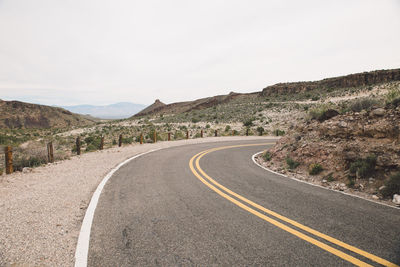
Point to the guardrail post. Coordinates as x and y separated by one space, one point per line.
9 159
187 134
78 145
216 133
50 152
120 140
155 136
141 138
201 133
101 143
169 136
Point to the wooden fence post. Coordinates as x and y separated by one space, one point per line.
155 136
216 133
169 136
9 159
201 133
50 152
187 134
141 138
247 132
78 145
120 140
101 143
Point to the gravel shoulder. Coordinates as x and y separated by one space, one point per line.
41 211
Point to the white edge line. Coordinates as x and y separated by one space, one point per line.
82 247
316 185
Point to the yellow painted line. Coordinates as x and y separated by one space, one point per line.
278 224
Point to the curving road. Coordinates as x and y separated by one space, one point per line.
182 207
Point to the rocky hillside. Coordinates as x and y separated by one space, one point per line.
281 92
348 81
180 107
356 151
16 114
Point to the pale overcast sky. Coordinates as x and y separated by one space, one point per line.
66 52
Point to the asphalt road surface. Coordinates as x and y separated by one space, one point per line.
175 207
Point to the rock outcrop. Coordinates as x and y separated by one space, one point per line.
352 80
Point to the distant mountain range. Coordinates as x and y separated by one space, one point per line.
120 110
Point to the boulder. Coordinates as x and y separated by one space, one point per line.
379 112
396 199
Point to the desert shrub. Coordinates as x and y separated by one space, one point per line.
317 112
291 163
278 132
227 128
114 142
351 182
32 161
260 130
322 113
195 120
235 132
73 150
363 167
330 178
315 98
315 169
249 122
93 143
363 104
392 95
392 186
1 171
128 140
208 126
267 156
91 147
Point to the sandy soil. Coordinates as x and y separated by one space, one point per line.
41 211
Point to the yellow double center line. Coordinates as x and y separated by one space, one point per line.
229 195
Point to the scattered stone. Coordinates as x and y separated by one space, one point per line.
324 181
396 199
382 188
342 187
379 112
26 170
375 197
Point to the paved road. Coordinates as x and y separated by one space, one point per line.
156 211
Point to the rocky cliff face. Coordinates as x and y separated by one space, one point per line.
352 80
340 143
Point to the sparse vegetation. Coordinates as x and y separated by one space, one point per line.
315 169
330 178
366 103
291 163
267 156
29 161
278 132
392 186
363 168
260 130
